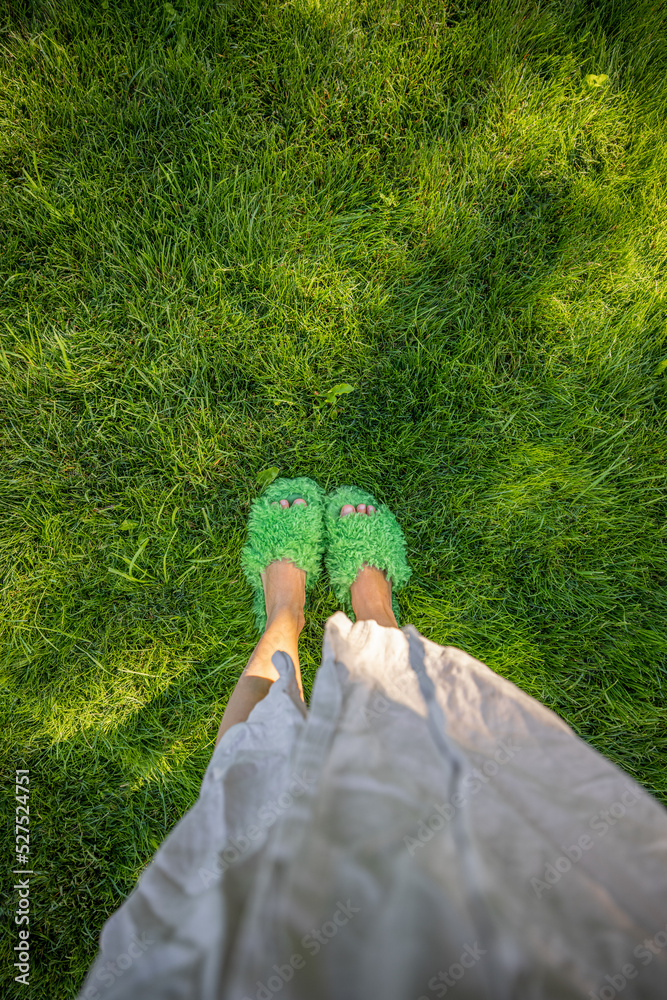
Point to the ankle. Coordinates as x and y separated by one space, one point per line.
378 611
382 618
285 615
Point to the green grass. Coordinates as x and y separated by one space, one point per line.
211 214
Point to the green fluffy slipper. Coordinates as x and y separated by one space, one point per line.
295 533
354 539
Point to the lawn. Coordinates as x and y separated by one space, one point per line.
211 215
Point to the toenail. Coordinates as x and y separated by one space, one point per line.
347 509
284 503
370 509
361 508
299 501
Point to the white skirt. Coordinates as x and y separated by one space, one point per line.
424 829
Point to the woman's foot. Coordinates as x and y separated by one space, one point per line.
284 596
371 591
285 584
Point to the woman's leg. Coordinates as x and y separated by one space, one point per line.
284 591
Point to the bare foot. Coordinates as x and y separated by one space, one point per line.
285 584
371 591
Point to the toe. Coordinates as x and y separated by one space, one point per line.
361 508
299 502
347 509
370 509
284 503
